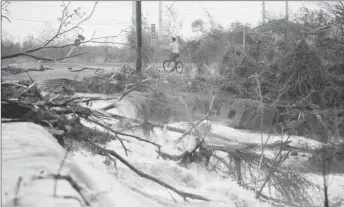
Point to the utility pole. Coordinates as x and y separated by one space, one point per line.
287 20
263 12
138 38
133 13
160 19
286 11
244 39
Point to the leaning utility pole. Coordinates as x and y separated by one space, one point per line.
138 38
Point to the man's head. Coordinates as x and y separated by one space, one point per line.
173 39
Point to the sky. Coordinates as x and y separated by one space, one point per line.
39 18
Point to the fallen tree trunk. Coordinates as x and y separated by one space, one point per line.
240 145
245 147
252 146
174 129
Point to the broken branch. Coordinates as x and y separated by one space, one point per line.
69 179
3 16
96 69
40 58
123 134
193 126
59 170
184 195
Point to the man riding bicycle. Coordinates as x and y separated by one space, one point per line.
174 58
174 47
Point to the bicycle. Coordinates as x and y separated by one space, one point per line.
177 65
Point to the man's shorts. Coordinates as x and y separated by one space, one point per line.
174 56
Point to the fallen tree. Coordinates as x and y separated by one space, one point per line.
64 121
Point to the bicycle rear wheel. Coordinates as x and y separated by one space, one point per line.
179 67
168 66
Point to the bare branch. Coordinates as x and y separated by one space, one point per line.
62 46
72 198
132 89
212 22
92 40
73 44
61 24
4 4
107 42
17 191
127 92
184 195
170 7
82 21
125 149
275 167
21 70
59 170
79 54
123 134
341 3
113 105
3 16
96 69
40 58
69 179
25 54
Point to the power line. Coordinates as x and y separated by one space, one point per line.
39 6
34 5
27 20
56 22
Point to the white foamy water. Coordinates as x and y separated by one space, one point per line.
29 150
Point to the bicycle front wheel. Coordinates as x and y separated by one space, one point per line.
179 67
168 66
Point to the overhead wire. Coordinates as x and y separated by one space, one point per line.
86 23
35 5
215 16
115 22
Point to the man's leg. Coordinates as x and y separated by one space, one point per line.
170 58
176 56
174 59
